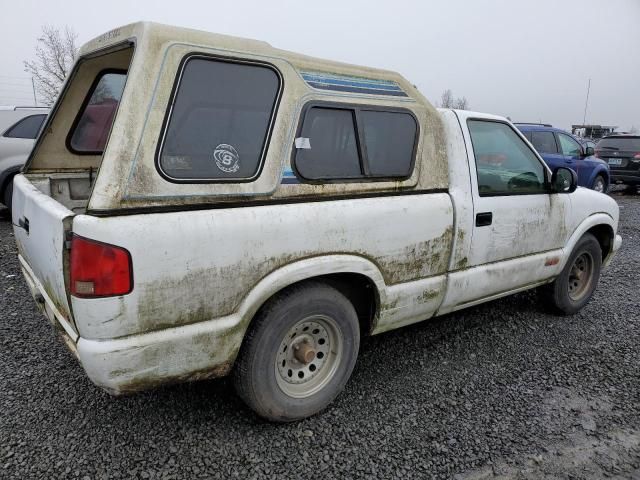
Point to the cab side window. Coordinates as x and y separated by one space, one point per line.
569 146
505 165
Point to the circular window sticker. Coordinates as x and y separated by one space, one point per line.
227 158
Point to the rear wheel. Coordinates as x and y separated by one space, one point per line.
299 353
575 285
8 193
599 184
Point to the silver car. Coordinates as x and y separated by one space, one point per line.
19 127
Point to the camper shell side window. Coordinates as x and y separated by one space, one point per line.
355 143
219 122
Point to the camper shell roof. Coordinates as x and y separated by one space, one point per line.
152 53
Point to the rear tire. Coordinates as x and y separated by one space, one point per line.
599 184
574 287
8 193
298 353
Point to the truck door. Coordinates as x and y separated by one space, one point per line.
519 228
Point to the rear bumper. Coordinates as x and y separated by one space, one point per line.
627 177
173 355
48 306
139 362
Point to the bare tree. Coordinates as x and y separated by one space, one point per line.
56 53
633 129
446 99
461 103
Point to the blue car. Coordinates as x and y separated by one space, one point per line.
560 149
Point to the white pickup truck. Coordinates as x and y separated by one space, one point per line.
198 205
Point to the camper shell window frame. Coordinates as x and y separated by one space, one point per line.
84 105
169 110
355 109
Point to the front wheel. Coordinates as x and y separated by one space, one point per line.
575 285
599 184
299 353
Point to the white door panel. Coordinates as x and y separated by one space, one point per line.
521 225
512 223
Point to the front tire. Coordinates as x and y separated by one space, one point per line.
575 285
299 353
599 184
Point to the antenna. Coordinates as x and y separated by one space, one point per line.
584 118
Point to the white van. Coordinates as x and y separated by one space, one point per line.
199 205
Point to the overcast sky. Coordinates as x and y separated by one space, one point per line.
529 60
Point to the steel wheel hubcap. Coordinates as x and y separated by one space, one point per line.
308 356
580 276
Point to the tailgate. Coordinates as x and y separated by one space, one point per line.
40 226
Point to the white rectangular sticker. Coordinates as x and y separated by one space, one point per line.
303 143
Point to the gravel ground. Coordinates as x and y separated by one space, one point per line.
502 390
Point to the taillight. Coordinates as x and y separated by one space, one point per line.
99 269
636 156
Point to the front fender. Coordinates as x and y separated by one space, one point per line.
599 170
587 224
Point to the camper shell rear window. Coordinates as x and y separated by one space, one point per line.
90 130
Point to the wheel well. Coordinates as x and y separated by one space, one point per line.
604 235
359 290
5 182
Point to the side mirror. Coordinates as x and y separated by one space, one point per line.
588 152
564 180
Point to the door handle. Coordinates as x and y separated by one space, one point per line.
484 219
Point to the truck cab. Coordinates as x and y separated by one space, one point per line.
173 231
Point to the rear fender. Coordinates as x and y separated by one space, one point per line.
305 270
